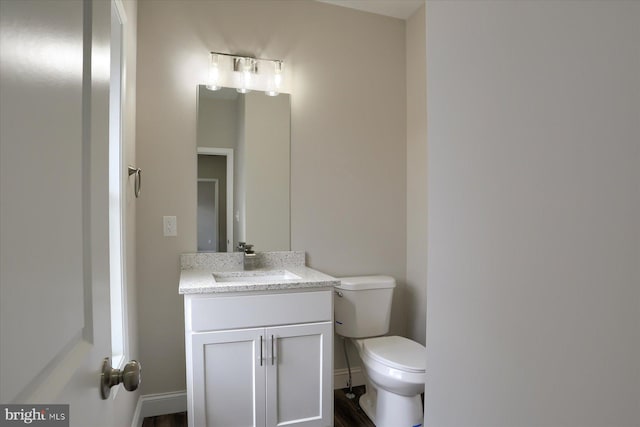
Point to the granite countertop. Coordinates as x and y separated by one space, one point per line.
204 282
223 272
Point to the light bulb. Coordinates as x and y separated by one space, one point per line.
276 80
214 73
247 68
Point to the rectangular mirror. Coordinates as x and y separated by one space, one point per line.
243 170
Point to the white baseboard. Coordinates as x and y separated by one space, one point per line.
151 405
341 377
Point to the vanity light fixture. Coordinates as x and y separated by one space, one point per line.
245 73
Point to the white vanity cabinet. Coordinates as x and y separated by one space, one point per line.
260 359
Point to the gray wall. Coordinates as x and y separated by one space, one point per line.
348 150
533 303
267 172
217 122
415 297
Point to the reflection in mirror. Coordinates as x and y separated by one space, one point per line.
243 170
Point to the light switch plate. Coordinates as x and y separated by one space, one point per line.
170 226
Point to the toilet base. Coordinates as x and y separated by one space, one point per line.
368 403
387 409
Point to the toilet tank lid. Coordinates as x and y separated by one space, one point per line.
359 283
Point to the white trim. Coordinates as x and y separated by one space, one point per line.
120 9
117 253
228 152
341 376
138 419
152 405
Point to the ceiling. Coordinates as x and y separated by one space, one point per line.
401 9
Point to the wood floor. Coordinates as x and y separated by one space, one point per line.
347 413
171 420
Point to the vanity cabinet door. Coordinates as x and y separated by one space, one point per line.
228 378
299 375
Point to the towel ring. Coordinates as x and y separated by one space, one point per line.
137 182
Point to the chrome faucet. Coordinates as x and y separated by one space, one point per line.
249 256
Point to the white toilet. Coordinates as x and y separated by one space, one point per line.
395 367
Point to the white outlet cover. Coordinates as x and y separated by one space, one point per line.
170 226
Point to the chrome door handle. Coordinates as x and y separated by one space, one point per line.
261 350
130 376
272 347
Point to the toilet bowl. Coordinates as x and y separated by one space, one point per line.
394 363
395 376
394 367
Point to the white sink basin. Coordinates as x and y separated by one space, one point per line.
257 276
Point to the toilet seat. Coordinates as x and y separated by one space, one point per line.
397 353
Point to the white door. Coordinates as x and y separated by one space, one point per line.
228 379
299 376
54 257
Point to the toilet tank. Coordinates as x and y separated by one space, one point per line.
362 306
